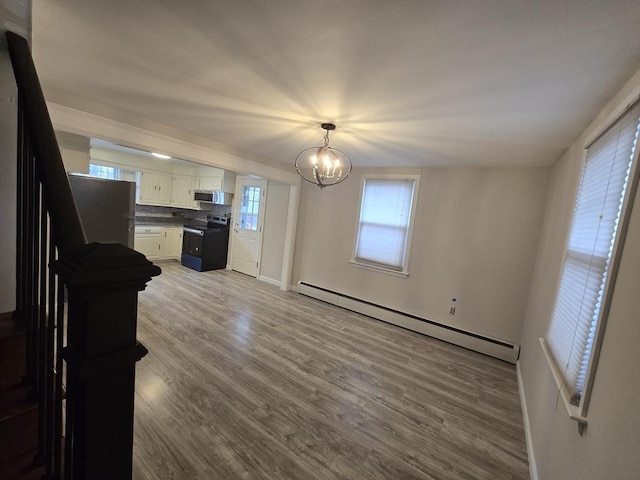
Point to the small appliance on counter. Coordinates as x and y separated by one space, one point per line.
205 248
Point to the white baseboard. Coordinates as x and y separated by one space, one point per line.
533 469
472 340
268 280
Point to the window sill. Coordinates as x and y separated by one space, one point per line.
573 411
376 268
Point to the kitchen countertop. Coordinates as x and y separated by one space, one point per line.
160 220
166 221
151 223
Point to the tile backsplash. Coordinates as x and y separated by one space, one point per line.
178 216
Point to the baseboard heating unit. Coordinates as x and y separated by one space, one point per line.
506 351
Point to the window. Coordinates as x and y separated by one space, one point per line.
591 258
102 171
250 207
384 226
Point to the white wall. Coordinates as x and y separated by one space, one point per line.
15 16
275 224
610 447
74 150
475 239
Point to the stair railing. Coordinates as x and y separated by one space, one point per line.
77 302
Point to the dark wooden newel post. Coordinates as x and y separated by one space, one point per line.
103 281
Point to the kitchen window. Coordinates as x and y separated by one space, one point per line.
598 227
387 209
103 171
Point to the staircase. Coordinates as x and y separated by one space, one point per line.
18 412
67 357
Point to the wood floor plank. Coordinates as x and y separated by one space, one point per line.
244 381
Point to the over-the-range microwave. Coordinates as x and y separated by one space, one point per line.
215 197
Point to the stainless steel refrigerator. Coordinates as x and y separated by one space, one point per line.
106 207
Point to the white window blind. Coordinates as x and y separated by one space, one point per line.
385 216
592 237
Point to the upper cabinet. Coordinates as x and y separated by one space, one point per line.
163 189
182 188
217 179
153 188
211 183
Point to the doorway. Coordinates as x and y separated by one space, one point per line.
248 219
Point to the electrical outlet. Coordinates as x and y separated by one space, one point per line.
452 310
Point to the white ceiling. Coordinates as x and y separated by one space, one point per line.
408 82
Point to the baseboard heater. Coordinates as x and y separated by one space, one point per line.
473 341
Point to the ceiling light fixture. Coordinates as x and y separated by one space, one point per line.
323 166
160 155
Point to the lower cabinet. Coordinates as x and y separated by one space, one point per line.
147 241
173 245
158 243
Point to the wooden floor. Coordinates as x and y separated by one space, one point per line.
244 381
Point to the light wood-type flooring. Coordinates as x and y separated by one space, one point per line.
244 381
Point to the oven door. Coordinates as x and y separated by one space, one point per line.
192 242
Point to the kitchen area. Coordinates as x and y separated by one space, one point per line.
165 208
256 205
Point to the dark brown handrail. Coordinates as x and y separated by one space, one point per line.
57 192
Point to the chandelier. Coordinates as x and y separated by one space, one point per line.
323 166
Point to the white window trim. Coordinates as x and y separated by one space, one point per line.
579 412
573 411
414 201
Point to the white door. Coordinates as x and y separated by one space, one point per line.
247 225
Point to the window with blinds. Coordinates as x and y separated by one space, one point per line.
384 226
590 261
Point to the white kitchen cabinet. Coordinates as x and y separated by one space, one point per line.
182 191
225 181
229 183
154 188
163 189
173 238
163 181
159 243
148 240
211 183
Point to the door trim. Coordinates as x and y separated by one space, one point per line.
240 179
